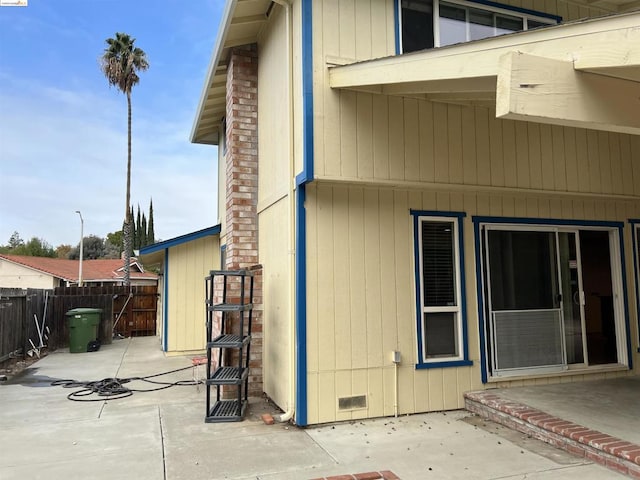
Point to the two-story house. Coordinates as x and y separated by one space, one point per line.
444 195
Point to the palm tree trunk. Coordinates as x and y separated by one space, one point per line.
127 221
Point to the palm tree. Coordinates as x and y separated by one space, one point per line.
120 63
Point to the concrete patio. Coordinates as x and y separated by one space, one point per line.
162 434
599 420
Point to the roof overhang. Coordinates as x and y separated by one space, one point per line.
240 25
39 270
154 254
584 74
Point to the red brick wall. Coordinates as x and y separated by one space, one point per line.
242 190
242 158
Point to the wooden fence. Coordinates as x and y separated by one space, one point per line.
20 309
131 309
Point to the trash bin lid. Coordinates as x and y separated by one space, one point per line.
82 311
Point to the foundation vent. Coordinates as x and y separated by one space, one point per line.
352 403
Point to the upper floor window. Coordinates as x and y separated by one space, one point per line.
437 23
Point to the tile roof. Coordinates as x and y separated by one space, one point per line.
92 270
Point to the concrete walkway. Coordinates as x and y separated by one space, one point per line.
162 434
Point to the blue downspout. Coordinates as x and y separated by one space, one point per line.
306 176
301 309
165 307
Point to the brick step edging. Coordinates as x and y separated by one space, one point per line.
609 451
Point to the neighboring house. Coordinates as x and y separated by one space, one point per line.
434 211
19 271
185 262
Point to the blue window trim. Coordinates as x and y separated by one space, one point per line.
484 374
551 222
396 19
165 306
459 217
635 223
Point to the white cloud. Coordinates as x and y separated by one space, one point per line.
63 136
64 150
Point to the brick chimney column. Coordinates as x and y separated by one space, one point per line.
242 188
242 159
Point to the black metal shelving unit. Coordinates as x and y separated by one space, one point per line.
234 336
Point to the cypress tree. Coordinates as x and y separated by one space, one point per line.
143 231
137 239
151 236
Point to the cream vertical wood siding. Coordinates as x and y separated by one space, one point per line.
274 207
273 105
277 316
356 30
396 141
361 287
376 157
188 265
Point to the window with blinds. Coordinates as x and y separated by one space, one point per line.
438 264
440 292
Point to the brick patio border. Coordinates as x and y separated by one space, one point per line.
609 451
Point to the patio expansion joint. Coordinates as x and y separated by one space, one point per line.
612 452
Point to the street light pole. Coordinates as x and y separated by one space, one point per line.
81 245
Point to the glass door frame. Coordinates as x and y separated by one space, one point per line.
617 266
491 313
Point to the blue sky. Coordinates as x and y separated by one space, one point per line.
63 131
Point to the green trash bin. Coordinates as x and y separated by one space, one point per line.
83 328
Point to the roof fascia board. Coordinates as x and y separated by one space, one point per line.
227 17
172 242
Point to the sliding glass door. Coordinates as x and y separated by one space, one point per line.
525 301
549 293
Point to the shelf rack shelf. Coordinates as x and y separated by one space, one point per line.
232 343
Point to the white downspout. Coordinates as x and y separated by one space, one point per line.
288 415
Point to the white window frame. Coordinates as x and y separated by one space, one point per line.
459 309
512 12
487 292
616 262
